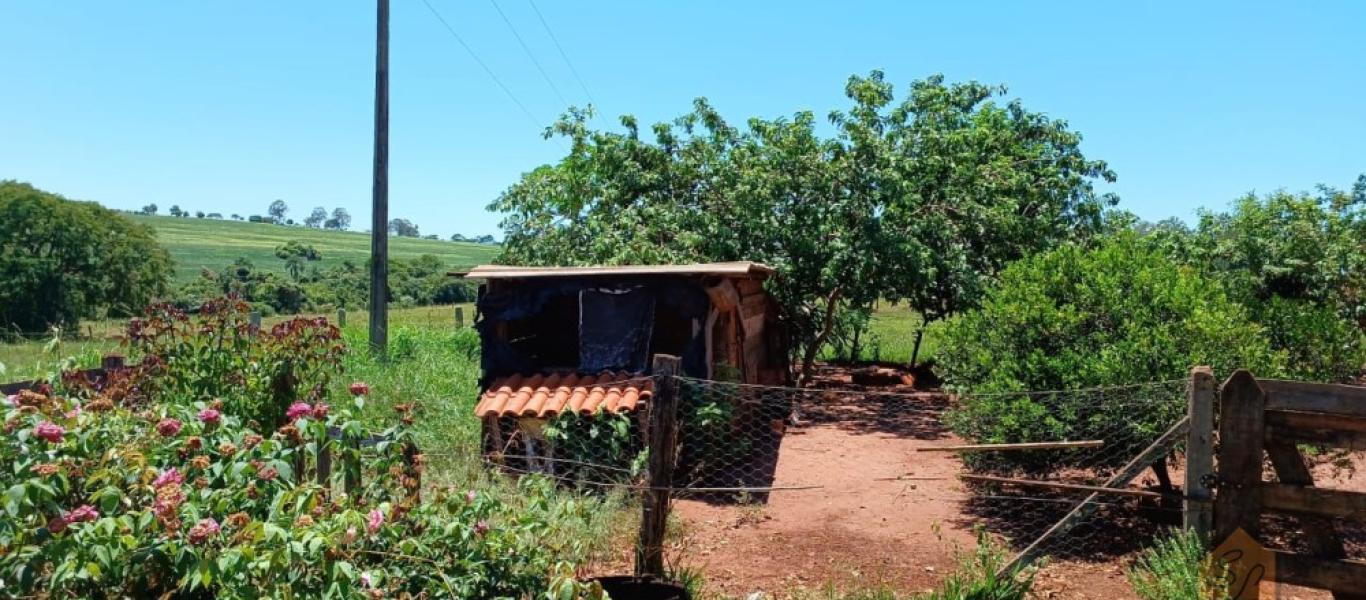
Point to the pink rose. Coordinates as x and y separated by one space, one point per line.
320 411
481 528
170 476
169 427
82 514
203 530
210 416
360 388
376 520
296 410
49 431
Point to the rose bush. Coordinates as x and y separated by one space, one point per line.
144 488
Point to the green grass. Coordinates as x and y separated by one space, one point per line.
197 244
891 336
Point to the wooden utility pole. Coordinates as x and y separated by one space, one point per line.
379 211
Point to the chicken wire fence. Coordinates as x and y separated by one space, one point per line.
748 446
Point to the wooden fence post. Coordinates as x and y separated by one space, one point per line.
341 317
255 319
111 362
1242 427
459 317
663 439
1198 508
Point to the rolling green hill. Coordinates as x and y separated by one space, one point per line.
197 244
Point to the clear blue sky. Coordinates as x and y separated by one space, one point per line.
224 106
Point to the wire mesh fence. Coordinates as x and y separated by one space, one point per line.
743 446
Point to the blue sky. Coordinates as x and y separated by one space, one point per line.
224 106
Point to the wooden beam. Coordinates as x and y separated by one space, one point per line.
1310 500
1343 577
663 441
1198 507
1346 400
1020 446
1242 411
1316 428
1154 452
1057 485
1319 533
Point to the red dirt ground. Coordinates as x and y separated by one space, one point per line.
885 514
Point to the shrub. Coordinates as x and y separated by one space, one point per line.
148 487
1178 567
62 261
217 353
1075 317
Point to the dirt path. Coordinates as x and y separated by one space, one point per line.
885 514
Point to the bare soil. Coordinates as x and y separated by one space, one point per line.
884 514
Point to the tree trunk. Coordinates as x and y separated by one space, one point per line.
827 325
915 350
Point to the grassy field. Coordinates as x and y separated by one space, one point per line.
36 358
197 244
891 336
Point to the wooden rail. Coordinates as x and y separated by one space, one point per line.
1261 418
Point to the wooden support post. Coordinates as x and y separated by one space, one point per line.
1242 426
341 317
1198 508
255 319
325 466
1008 447
1154 452
352 465
459 317
663 438
111 362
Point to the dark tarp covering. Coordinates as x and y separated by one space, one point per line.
614 329
683 296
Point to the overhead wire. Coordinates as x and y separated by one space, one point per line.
563 54
537 122
529 54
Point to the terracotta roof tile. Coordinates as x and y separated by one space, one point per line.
549 395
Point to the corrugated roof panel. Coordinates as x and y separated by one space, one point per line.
729 269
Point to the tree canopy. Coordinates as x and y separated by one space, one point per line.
922 199
62 261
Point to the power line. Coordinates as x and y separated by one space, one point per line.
562 52
529 54
534 121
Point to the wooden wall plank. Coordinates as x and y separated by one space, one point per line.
1312 500
1342 576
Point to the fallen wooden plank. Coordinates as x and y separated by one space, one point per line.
1156 451
1020 446
1057 485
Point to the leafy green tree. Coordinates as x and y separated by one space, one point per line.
277 211
922 200
403 228
296 254
1117 313
1298 262
316 218
150 209
63 261
340 221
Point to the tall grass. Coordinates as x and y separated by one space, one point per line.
437 370
1178 567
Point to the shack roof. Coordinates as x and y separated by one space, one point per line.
722 269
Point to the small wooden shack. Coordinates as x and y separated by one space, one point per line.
580 339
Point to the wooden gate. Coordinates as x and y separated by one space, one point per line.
1261 418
